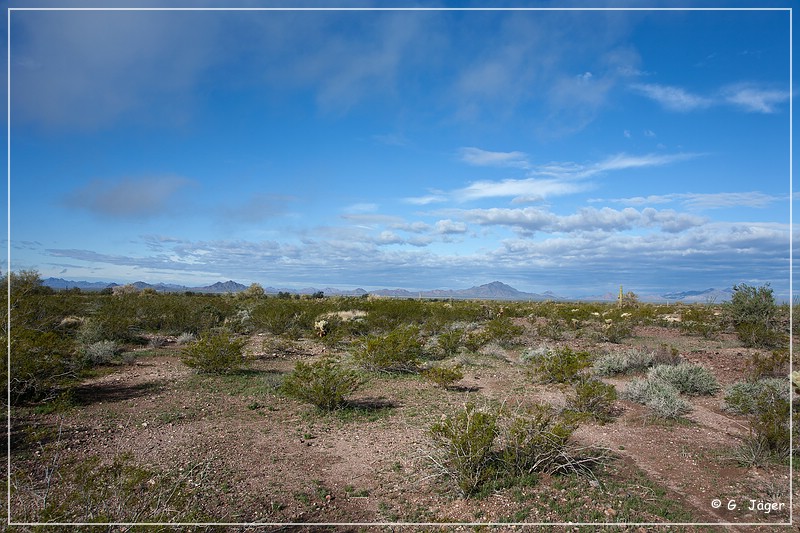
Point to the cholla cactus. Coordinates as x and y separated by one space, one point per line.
321 328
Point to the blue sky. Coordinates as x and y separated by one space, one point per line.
570 151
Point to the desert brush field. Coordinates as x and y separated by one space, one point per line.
144 407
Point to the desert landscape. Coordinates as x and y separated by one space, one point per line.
252 409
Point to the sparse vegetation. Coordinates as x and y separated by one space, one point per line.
508 444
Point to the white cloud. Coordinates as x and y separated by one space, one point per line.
620 161
448 227
526 189
754 99
588 219
749 97
484 158
672 98
701 201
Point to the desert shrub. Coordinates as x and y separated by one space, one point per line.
757 335
774 363
559 365
616 331
700 320
753 313
185 338
770 421
449 342
594 399
465 440
324 384
99 353
752 304
552 329
284 317
102 490
535 440
742 396
475 340
690 379
661 397
42 363
399 351
215 353
157 341
502 330
624 362
443 376
666 355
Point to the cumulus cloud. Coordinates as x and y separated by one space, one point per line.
589 219
128 197
448 227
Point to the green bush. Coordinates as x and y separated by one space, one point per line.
503 331
443 376
559 365
770 421
625 362
215 353
449 342
616 331
399 351
465 440
324 384
753 313
701 320
535 440
690 379
594 399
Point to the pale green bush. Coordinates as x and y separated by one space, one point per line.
688 378
624 362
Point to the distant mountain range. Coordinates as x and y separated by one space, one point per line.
490 291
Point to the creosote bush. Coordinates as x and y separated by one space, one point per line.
559 365
443 376
501 446
324 384
215 353
594 399
399 351
465 440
